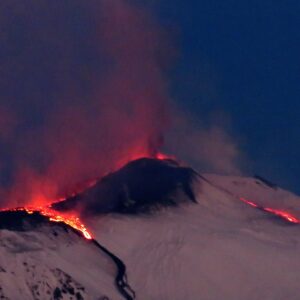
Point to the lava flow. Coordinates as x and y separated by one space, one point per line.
68 218
280 213
53 216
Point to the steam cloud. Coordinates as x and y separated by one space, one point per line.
207 147
82 91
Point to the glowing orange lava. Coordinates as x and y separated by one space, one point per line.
53 216
283 214
249 202
280 213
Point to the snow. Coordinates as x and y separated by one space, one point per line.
49 261
220 248
258 192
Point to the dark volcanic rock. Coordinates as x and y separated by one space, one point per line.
140 186
20 220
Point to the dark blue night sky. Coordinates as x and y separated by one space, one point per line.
243 58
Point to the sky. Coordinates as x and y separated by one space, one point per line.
241 59
85 86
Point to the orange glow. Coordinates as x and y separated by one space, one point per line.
283 214
78 189
280 213
162 156
53 216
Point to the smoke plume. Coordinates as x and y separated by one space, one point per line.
207 146
82 92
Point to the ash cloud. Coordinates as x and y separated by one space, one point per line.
83 90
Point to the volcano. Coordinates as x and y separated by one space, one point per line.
156 230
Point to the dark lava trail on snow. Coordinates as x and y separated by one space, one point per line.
121 277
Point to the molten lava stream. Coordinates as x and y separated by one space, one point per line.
279 213
53 216
71 220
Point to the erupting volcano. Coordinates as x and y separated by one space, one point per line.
91 92
71 218
139 178
156 197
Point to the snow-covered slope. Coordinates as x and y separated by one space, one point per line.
220 248
259 192
51 262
